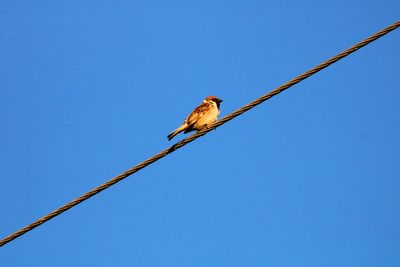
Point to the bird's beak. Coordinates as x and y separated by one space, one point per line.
220 100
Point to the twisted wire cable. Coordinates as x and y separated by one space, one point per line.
193 137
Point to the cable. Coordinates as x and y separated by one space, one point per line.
193 137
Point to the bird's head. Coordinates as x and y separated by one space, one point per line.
213 98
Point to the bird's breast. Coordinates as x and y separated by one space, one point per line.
207 118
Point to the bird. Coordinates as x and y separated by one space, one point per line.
201 117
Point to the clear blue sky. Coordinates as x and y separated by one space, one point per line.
90 88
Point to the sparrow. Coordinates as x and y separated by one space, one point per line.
201 117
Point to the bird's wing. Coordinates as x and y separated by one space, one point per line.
197 113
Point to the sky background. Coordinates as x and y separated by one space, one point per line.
89 89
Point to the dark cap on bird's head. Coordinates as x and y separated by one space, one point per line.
214 98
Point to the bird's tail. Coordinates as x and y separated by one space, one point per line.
177 131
